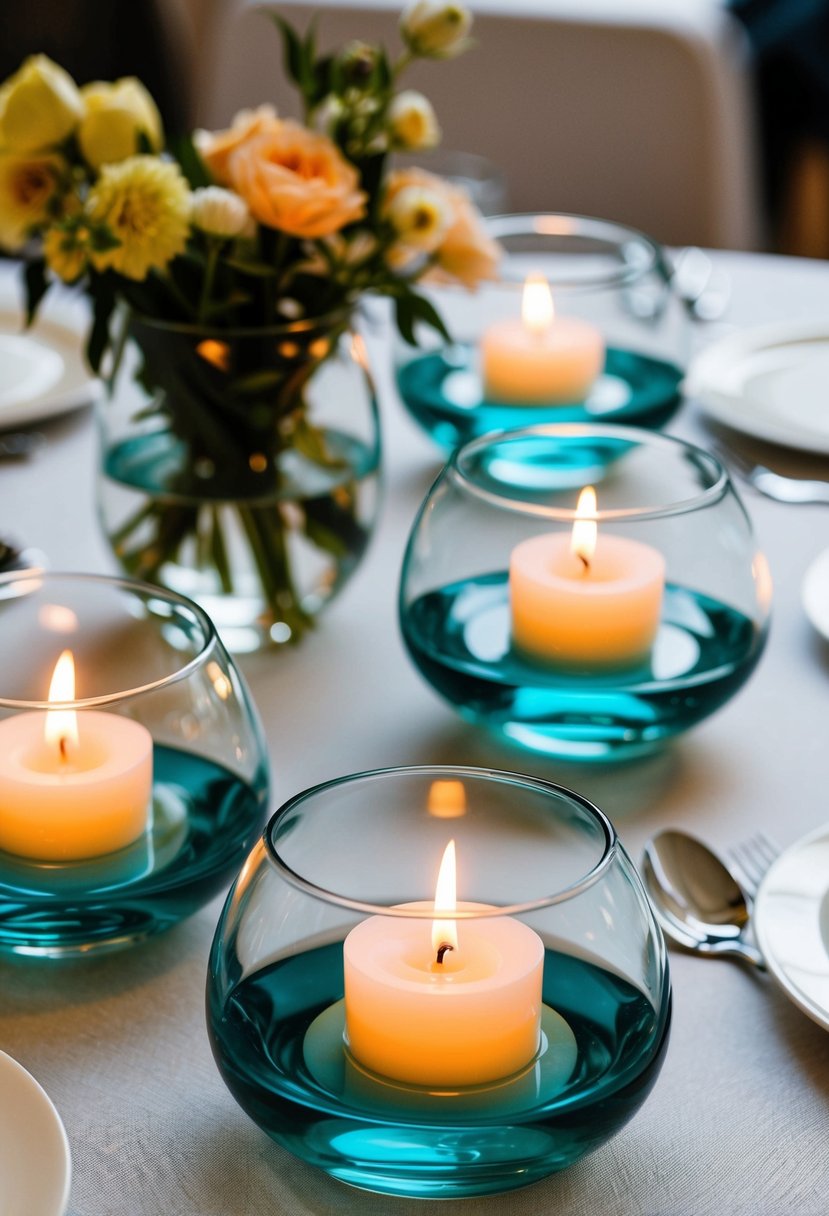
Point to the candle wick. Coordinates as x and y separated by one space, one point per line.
585 563
64 750
442 948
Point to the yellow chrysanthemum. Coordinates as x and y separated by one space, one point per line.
66 252
27 185
145 203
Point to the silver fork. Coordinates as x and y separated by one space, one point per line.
750 860
773 485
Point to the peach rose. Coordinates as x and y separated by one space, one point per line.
215 147
467 252
296 180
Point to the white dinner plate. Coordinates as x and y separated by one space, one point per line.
771 382
42 369
791 920
815 593
35 1167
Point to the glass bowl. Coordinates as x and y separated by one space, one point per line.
345 1035
131 799
584 660
615 351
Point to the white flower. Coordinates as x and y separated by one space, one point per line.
219 212
412 121
436 29
420 217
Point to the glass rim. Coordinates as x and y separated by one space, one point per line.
145 591
277 329
564 224
703 498
439 771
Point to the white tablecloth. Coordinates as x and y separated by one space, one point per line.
739 1119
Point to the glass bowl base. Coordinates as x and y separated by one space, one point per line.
459 638
277 1041
443 392
204 821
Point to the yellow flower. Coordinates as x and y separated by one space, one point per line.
436 29
461 249
27 186
66 251
39 106
145 203
419 216
115 115
412 121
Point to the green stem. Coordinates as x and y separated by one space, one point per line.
213 251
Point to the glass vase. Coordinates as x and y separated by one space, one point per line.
129 796
585 656
611 287
551 923
240 468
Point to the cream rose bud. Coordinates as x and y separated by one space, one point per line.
40 106
435 29
115 115
218 212
412 121
420 217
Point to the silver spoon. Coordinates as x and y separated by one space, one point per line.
697 901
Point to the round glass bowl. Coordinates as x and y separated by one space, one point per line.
591 659
529 1044
130 799
614 351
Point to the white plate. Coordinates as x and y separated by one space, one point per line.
42 369
771 382
35 1166
791 920
815 593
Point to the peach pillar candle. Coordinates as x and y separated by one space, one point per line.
540 359
72 784
585 599
441 1003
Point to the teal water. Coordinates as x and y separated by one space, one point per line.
259 1032
443 392
459 639
205 821
151 464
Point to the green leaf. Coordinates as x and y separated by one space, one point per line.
36 286
404 316
427 313
260 270
103 295
191 164
292 49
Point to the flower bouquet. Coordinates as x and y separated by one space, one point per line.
239 438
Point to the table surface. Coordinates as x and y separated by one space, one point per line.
739 1119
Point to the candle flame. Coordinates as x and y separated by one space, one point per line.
61 727
585 528
444 932
537 310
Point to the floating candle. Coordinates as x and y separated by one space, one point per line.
585 599
437 1003
540 359
73 784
